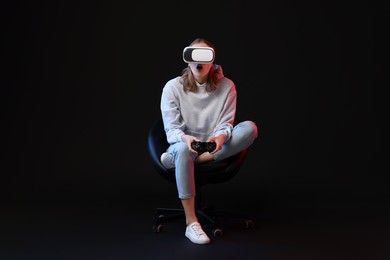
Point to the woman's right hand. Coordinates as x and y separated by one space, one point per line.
188 139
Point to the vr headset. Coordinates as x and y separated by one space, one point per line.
198 55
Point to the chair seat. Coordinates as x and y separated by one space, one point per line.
209 168
213 172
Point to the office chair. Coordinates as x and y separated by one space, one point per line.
209 173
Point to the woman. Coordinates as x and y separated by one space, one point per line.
200 105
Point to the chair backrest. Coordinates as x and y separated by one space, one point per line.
213 172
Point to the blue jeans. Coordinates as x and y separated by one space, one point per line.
243 135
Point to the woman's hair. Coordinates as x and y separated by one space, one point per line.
188 80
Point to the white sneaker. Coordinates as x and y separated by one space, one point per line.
195 233
167 160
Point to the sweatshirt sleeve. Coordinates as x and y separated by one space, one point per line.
227 116
173 123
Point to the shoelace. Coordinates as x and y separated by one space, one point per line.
197 229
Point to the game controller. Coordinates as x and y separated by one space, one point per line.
202 147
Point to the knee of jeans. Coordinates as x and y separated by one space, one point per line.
255 130
252 130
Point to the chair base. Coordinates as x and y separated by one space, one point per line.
207 217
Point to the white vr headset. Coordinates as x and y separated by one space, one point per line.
198 54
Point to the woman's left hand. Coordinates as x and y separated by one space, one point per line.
219 141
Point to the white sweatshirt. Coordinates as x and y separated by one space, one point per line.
199 114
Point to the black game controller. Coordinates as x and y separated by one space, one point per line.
202 147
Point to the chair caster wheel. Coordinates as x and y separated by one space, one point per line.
158 228
217 232
248 223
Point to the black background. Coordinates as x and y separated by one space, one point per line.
81 85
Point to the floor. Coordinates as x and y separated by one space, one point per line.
109 227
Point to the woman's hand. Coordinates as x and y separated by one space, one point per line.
188 139
219 141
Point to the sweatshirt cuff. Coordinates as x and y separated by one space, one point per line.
226 135
179 136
